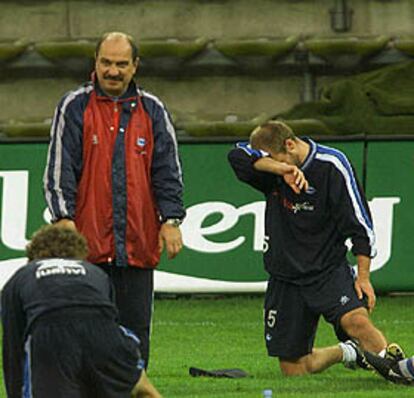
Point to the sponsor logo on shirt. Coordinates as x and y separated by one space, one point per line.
57 266
293 207
305 206
297 207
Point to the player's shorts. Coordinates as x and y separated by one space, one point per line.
78 356
292 312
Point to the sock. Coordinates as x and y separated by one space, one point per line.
348 353
407 368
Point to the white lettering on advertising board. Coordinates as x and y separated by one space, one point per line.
196 236
14 214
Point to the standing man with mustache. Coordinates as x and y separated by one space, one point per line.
113 173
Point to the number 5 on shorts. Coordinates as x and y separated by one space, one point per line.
271 318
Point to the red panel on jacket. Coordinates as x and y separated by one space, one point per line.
94 201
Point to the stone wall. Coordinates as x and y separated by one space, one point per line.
211 93
40 20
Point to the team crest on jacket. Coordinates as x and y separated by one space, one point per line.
141 142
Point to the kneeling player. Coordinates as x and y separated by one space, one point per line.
60 332
314 203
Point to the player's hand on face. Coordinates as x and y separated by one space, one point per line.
295 178
363 286
170 237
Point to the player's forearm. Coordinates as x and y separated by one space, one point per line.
364 264
13 379
270 165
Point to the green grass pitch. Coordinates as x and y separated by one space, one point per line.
227 332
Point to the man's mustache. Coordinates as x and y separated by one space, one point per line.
114 78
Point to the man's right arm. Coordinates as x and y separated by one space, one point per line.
242 159
259 170
64 160
292 175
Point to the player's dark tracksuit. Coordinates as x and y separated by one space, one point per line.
305 233
113 168
61 338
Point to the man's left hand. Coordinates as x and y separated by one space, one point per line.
170 237
363 286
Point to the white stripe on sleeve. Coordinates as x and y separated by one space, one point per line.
170 129
353 194
57 130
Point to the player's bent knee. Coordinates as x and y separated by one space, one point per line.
295 367
356 322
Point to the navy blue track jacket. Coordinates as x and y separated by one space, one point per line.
42 288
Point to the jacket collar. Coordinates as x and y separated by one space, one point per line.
311 154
